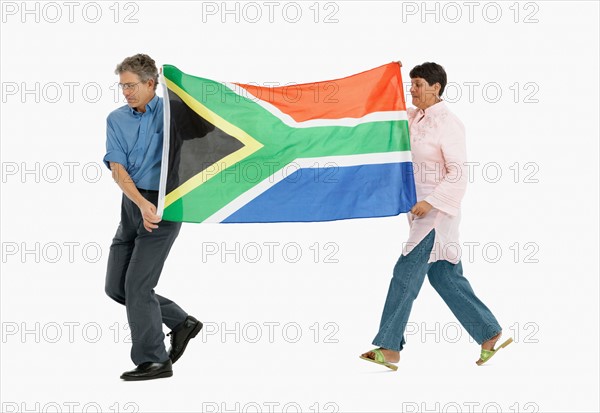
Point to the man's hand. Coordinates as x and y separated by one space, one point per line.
421 208
147 209
149 216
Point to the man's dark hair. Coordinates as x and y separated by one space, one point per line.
432 73
140 64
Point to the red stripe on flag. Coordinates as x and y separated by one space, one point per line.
355 96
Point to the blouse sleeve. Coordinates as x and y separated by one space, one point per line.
448 194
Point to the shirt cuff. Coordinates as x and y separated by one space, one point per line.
115 156
445 207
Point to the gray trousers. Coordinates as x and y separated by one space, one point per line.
135 262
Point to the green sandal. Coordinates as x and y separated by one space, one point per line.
488 354
380 359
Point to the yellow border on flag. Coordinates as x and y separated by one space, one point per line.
251 145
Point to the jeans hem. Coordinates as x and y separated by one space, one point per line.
492 336
387 347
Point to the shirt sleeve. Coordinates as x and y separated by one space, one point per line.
448 194
114 148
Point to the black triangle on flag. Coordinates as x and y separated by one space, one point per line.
194 143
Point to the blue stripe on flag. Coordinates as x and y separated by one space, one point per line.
326 194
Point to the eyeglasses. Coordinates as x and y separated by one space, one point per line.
126 86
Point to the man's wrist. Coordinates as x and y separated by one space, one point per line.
139 200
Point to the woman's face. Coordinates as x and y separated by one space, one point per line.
423 94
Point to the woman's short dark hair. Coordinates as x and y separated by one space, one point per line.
432 73
140 64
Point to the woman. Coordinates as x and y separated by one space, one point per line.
439 155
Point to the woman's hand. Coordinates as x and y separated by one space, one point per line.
421 208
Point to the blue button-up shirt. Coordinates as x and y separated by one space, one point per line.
134 140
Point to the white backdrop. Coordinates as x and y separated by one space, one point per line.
289 308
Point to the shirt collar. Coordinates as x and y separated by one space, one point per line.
150 105
437 108
433 109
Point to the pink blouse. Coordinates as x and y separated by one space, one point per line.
438 148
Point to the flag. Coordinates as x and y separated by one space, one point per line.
319 151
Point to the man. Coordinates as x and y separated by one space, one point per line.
140 246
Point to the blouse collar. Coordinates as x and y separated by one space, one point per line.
433 109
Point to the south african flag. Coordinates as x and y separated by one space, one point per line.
320 151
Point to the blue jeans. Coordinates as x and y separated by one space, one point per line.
448 281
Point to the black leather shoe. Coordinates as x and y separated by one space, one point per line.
180 338
149 371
